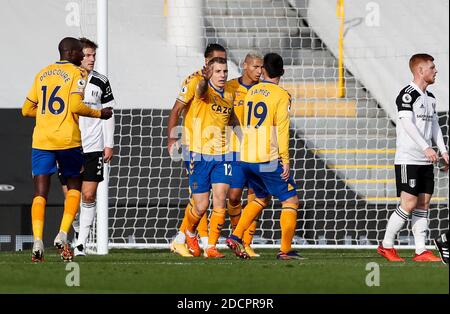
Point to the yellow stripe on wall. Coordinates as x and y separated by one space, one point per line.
165 12
324 109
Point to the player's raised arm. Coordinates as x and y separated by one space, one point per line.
202 86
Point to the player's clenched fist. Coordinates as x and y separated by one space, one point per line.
106 113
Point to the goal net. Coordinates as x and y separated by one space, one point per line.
342 148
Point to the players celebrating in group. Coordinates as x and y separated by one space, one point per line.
235 135
211 105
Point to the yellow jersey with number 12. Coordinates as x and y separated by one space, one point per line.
265 125
56 126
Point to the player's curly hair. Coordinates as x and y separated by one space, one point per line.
273 64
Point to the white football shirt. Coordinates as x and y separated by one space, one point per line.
420 108
97 134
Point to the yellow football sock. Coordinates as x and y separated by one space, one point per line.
250 232
71 206
235 214
288 222
202 227
37 216
251 197
251 211
192 220
184 222
215 225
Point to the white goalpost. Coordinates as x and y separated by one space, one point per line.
342 145
102 192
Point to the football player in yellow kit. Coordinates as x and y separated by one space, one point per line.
212 107
265 157
55 100
182 106
252 69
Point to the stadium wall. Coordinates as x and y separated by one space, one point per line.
380 37
146 64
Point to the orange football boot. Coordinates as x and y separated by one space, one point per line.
192 244
212 252
389 254
426 256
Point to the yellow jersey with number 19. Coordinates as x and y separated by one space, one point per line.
210 118
266 123
56 123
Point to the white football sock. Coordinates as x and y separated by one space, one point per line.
180 238
76 222
204 242
419 226
190 234
87 213
394 225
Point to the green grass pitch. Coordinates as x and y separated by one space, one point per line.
159 271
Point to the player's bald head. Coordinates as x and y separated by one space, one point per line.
71 49
416 60
69 44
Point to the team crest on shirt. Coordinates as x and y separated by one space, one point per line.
406 98
184 89
412 183
81 83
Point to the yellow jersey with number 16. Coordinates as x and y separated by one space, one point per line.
56 125
265 125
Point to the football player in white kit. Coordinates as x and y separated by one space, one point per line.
417 125
97 139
